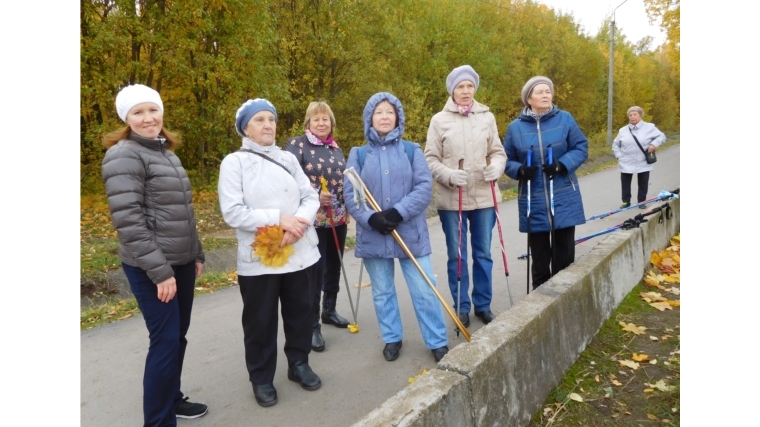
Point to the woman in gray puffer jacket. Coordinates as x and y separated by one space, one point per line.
150 200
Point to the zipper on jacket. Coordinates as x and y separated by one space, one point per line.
540 166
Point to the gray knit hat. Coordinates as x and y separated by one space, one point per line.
459 74
532 83
635 108
248 109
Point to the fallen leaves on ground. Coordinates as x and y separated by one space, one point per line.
421 373
630 327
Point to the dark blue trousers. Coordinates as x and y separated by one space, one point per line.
167 325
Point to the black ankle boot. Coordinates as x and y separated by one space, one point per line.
329 315
317 342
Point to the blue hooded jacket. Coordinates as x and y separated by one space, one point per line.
394 182
569 146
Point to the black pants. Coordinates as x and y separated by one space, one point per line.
327 271
260 295
541 253
643 181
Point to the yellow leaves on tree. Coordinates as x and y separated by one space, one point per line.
266 246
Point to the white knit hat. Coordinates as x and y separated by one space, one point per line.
133 95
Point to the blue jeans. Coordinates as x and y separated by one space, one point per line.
427 308
481 223
167 325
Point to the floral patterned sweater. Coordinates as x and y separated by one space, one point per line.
318 161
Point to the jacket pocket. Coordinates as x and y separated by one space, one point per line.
245 251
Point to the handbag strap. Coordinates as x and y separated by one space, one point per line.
637 142
267 158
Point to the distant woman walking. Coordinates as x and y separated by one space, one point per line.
633 140
150 200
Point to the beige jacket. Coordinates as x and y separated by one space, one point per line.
451 137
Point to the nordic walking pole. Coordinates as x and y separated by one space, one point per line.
355 329
357 181
459 250
501 238
551 204
527 219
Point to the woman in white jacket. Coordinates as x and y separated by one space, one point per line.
261 185
630 153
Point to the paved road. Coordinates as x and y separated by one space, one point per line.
355 376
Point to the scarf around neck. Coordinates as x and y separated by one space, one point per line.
314 140
464 109
537 116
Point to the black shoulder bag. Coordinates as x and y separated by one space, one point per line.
651 158
268 158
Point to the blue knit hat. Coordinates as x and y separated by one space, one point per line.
248 109
459 74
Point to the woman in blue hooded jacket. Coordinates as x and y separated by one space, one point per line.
542 125
402 185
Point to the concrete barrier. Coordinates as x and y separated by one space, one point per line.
504 374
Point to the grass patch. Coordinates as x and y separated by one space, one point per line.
350 242
114 309
600 389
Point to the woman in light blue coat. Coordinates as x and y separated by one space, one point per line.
632 141
397 175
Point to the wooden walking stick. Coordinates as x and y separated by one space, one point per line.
359 184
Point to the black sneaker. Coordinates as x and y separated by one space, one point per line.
186 409
643 206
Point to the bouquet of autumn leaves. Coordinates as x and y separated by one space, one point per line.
267 247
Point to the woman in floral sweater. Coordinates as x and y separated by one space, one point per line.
321 157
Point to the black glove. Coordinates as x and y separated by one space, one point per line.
392 215
553 169
378 222
527 172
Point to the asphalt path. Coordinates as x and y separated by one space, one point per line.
355 376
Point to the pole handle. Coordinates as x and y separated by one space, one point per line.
550 154
530 156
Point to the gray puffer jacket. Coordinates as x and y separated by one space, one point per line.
150 200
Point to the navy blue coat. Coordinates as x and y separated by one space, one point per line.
569 146
394 182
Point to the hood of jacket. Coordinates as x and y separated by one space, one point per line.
369 132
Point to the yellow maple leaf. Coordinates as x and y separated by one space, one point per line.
655 258
266 246
640 357
629 363
673 278
651 279
652 296
660 385
421 373
630 327
675 303
662 306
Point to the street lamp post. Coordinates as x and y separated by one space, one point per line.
609 88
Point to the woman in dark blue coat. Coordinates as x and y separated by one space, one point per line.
542 125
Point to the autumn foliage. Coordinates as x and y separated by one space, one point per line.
267 246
